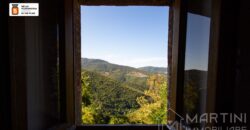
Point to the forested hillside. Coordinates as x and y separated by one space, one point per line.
114 94
134 77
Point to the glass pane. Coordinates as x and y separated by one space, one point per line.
196 65
124 65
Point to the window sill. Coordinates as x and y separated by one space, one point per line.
122 127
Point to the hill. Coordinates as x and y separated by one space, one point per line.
108 101
116 94
101 65
152 69
137 78
106 97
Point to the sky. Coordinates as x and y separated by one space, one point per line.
134 36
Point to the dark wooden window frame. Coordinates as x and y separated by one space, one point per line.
123 3
126 3
179 44
70 54
181 8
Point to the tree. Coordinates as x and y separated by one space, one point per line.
153 106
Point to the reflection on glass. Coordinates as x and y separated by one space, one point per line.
196 65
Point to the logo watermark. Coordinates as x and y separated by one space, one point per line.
199 121
23 9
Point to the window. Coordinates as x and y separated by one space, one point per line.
124 64
176 54
196 65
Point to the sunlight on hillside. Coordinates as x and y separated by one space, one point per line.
124 65
122 98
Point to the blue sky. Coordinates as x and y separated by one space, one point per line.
132 36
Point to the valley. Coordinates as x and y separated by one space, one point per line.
116 94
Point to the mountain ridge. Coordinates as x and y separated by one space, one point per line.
153 69
94 64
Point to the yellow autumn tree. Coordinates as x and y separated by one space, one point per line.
153 105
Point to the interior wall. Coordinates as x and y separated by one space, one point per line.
42 83
33 49
5 107
233 62
242 91
227 56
